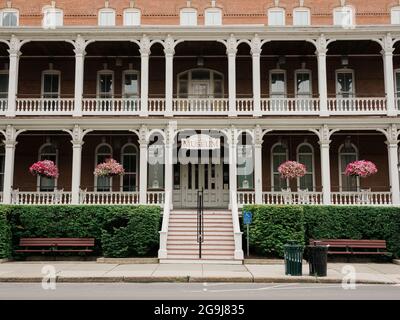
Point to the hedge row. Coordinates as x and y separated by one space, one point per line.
273 226
120 231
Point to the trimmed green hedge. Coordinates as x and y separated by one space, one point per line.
120 231
5 235
268 231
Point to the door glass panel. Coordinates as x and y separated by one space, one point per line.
303 83
105 85
345 84
278 84
51 83
131 87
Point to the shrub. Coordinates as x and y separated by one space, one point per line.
274 226
5 234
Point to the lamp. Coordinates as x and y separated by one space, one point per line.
200 61
345 61
282 60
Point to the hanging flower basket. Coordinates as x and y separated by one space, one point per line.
292 170
45 168
361 168
110 168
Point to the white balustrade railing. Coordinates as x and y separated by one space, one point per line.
244 106
115 198
156 105
361 198
292 198
3 105
357 106
37 198
301 106
100 106
45 106
245 198
200 106
156 198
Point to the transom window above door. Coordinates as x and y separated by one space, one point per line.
200 83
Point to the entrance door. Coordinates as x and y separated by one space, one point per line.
209 177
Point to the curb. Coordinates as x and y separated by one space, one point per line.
127 260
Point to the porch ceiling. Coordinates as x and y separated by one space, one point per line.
354 47
52 48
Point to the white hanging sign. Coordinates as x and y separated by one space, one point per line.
201 142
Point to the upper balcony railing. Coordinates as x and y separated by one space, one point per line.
272 106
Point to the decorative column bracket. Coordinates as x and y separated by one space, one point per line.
169 51
145 51
231 50
14 50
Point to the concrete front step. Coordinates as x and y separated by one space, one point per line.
205 247
206 242
208 233
200 261
204 256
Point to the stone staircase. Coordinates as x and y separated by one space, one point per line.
218 242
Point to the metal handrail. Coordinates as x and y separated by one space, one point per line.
200 219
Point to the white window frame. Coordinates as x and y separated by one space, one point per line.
124 73
96 154
349 71
123 153
273 172
275 11
342 23
106 10
298 153
395 15
137 20
276 71
51 72
99 73
191 19
299 23
190 80
9 10
214 22
48 11
302 71
40 154
342 170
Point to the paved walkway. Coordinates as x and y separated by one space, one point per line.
100 272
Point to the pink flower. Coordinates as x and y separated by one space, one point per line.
292 170
361 168
109 168
45 168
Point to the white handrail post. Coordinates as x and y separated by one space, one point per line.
236 227
162 252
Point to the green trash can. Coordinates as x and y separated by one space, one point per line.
293 258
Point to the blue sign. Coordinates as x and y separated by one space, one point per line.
247 217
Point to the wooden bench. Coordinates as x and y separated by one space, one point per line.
353 247
62 245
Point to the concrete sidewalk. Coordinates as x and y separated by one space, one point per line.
370 273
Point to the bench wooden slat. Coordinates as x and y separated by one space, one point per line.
83 243
350 245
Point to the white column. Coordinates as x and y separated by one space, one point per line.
80 53
387 54
324 135
145 47
143 141
232 142
256 54
76 170
322 79
169 163
169 51
13 76
393 157
231 52
10 143
258 172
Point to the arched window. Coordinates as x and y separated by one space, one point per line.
200 83
129 160
301 17
188 17
52 17
344 16
305 155
103 152
2 160
276 17
107 17
213 17
48 152
279 155
132 17
347 154
9 17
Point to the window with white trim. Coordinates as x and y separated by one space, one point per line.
345 83
129 160
397 82
48 152
132 17
305 155
9 18
103 152
52 17
395 15
277 80
130 84
279 155
347 154
303 84
276 17
213 17
105 84
3 84
188 17
51 84
343 16
301 17
107 17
